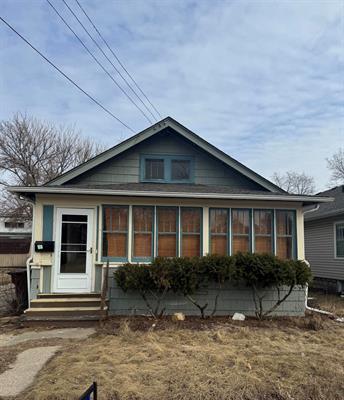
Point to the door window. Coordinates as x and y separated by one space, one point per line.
73 244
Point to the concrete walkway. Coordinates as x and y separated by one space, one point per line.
68 333
24 370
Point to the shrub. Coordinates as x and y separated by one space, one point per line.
186 276
266 271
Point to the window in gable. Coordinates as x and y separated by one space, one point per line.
180 170
154 169
339 232
167 168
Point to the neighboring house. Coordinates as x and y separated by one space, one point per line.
163 192
15 238
324 241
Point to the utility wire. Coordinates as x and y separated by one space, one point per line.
117 58
97 61
64 75
105 55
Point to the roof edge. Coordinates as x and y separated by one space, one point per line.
142 193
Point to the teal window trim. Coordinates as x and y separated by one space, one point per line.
272 250
200 234
250 236
167 167
48 222
294 250
339 251
227 234
110 258
143 259
168 233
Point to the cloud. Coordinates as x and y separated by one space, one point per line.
261 80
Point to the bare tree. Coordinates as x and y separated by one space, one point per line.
336 165
294 182
32 152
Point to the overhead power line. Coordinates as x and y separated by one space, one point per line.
105 55
64 75
98 62
116 57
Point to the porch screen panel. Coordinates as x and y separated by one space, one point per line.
191 231
143 232
115 231
167 231
219 231
241 230
263 231
285 231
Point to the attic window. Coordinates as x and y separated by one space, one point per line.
154 169
167 169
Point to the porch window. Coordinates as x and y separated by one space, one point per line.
285 232
143 232
241 230
263 222
339 232
191 231
219 231
167 221
115 232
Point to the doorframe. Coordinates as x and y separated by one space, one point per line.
91 226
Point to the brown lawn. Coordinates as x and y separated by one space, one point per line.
217 359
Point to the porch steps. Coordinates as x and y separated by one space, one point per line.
66 307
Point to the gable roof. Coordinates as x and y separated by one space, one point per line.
153 130
329 209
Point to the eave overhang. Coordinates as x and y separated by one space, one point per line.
30 193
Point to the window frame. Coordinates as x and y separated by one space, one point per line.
335 239
273 230
156 218
143 259
293 235
167 158
181 233
111 258
228 234
250 234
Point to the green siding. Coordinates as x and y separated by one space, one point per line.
126 167
48 222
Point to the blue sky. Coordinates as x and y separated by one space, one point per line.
262 80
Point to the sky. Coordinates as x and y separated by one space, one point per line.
261 80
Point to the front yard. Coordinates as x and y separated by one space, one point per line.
218 359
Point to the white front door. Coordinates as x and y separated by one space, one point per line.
73 250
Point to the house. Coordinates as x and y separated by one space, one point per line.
324 241
15 238
163 192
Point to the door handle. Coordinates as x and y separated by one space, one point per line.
90 250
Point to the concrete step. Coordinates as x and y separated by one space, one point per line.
65 302
67 295
65 312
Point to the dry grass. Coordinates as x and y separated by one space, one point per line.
328 302
228 361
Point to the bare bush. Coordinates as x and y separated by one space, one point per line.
336 166
295 182
33 152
